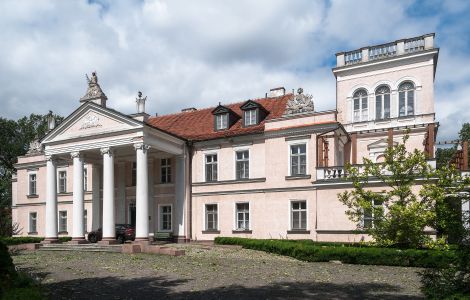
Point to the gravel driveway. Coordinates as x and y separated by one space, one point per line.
211 273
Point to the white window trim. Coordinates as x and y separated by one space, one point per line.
251 111
298 142
160 229
66 221
58 179
204 164
307 227
235 214
360 109
170 166
372 217
29 222
85 179
204 216
406 100
221 118
29 182
235 150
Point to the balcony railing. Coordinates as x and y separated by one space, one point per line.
377 52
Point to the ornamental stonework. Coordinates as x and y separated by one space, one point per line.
90 121
300 103
94 90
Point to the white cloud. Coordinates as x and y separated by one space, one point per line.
197 53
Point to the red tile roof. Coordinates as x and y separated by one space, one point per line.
199 125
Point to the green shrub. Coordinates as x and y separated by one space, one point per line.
7 269
29 239
348 254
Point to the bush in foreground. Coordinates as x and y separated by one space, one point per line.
346 254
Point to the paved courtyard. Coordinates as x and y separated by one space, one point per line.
211 273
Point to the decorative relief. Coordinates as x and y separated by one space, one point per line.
300 103
90 121
106 150
34 147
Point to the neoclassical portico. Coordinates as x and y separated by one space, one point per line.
107 139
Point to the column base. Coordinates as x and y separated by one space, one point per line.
108 241
78 240
50 241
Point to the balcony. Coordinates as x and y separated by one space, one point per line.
378 52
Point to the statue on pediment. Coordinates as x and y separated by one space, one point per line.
94 90
300 103
34 147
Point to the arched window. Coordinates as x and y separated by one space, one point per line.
382 102
406 99
360 107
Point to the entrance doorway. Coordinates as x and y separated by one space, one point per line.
131 217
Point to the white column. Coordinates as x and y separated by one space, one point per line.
78 198
96 199
152 210
51 201
179 195
141 193
121 194
109 230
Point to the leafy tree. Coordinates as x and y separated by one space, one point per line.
444 156
15 137
410 201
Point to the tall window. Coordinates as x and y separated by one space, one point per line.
406 99
165 217
134 174
211 217
32 184
250 117
372 214
360 109
33 222
63 221
382 102
85 179
243 216
221 121
211 167
298 159
299 215
62 181
242 159
85 220
166 170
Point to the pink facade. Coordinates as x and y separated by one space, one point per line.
264 168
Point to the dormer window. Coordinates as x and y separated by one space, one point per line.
221 121
251 117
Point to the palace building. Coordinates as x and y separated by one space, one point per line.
268 167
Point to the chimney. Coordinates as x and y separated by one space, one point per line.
277 92
50 121
189 109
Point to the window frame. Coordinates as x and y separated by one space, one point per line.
382 102
236 228
291 215
236 151
85 179
371 218
289 161
361 109
406 99
61 218
206 228
221 116
59 190
30 174
204 166
160 217
30 222
256 117
168 167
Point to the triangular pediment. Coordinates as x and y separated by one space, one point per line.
91 120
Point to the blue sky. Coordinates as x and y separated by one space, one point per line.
197 53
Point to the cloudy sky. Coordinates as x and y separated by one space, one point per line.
197 53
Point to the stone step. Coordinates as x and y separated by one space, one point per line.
83 247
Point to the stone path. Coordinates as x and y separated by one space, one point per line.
211 273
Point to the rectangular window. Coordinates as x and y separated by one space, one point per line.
134 174
165 170
299 215
33 222
221 121
251 117
364 111
357 116
371 214
298 159
32 184
62 181
401 104
378 107
386 106
243 216
211 167
85 179
242 161
211 217
411 103
165 217
63 221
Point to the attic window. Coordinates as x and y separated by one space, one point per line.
221 121
251 117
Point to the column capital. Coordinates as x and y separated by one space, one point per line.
141 146
106 150
50 158
76 154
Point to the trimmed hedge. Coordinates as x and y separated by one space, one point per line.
28 239
352 255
